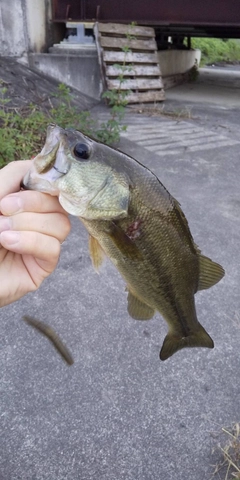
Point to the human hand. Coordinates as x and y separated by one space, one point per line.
32 227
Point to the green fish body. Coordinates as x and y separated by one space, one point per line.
134 220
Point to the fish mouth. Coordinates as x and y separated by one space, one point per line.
50 164
59 171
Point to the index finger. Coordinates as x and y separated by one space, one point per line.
11 176
30 201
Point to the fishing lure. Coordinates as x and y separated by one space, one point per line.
52 336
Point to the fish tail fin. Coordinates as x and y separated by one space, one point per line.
174 342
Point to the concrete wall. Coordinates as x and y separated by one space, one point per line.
174 62
12 33
24 26
175 65
80 71
38 16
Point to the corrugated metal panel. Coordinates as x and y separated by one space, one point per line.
188 12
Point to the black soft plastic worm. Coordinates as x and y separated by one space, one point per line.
52 336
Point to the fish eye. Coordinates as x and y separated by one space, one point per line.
81 150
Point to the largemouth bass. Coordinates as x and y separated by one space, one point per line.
133 219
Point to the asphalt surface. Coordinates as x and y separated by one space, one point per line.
119 413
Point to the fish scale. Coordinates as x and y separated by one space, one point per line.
133 219
152 278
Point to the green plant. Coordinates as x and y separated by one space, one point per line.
216 50
194 72
23 129
117 98
67 115
109 131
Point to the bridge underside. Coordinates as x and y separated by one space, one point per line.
192 18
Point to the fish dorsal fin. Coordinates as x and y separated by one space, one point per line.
96 252
209 273
138 309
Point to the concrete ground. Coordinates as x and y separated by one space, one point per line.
217 86
119 413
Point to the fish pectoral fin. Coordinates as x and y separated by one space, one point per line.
121 240
210 273
174 342
138 309
96 252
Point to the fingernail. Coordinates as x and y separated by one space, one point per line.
11 204
9 238
5 223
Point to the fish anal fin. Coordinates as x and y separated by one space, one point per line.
96 252
138 309
174 342
210 273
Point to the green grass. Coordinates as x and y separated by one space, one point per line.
23 129
217 50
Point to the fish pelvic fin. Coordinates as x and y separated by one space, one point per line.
210 273
138 309
174 342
